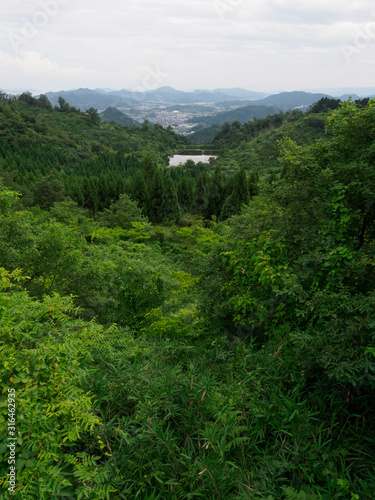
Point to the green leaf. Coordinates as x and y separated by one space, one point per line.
20 462
26 454
30 463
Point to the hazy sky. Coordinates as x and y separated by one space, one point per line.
187 44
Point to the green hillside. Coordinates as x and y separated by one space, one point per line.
290 100
203 134
198 332
85 99
117 116
256 145
91 160
242 115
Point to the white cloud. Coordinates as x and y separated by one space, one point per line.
95 43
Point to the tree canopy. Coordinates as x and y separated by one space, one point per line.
204 331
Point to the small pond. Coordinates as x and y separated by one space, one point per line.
176 160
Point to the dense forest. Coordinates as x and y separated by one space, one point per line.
204 331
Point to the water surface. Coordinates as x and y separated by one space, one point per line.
181 159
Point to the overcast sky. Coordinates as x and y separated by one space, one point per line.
268 45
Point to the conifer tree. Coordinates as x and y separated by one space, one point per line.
139 191
155 199
149 170
186 192
90 193
122 213
48 190
240 196
241 188
253 184
170 208
201 194
215 195
104 193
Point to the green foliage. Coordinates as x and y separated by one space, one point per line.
250 368
149 171
7 199
201 194
68 212
93 116
122 213
154 210
216 195
139 191
186 192
324 104
195 241
263 287
239 196
254 146
47 251
236 116
40 146
43 353
170 207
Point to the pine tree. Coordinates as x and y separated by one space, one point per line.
149 170
122 213
241 188
170 208
186 192
253 184
139 191
76 192
201 194
104 194
91 195
230 208
48 190
215 195
239 197
155 199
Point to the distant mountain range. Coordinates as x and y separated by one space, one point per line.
243 115
102 99
105 98
85 99
242 93
290 100
351 91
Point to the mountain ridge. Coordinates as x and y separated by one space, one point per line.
85 98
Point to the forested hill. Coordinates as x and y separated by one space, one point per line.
235 133
50 154
117 116
258 142
189 332
91 159
290 100
241 114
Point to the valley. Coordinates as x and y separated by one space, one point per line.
187 250
187 112
202 330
